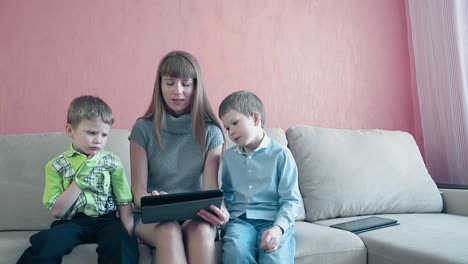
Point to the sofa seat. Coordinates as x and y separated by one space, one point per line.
12 245
420 238
318 244
321 245
17 241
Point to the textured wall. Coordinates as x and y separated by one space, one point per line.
328 63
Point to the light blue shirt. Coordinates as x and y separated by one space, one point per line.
262 184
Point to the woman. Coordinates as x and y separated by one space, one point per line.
176 147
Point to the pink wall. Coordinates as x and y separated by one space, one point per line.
342 64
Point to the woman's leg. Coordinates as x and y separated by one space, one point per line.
166 238
199 240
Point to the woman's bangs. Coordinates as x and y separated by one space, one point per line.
178 67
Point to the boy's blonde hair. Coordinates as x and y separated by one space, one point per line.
243 102
89 107
181 64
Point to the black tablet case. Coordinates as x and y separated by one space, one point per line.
366 224
178 206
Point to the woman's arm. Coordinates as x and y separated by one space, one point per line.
139 172
210 182
210 171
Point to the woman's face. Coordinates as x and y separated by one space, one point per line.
177 94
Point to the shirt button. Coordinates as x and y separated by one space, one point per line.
250 186
250 171
250 157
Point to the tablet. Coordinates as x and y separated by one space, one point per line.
366 224
178 206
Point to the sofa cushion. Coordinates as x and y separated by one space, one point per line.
360 172
322 245
430 238
23 175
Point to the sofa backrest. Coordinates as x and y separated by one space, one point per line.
22 177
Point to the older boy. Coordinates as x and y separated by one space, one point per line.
85 186
260 187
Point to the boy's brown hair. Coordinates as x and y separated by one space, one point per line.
89 107
243 102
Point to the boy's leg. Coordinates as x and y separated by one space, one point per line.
284 253
115 245
239 242
49 246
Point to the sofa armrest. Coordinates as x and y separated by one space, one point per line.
455 198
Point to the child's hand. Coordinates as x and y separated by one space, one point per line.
271 238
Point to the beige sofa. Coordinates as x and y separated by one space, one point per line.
343 175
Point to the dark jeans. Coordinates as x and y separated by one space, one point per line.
114 243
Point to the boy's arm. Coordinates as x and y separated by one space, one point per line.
288 191
120 186
65 200
122 196
57 199
126 217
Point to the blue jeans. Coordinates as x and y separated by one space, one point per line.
242 238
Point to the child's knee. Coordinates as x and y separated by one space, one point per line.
236 251
236 245
41 238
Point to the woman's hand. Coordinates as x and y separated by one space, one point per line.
154 192
219 217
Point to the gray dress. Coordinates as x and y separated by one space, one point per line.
177 165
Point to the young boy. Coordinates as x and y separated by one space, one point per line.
84 187
260 186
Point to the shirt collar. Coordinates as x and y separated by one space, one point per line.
265 142
72 152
